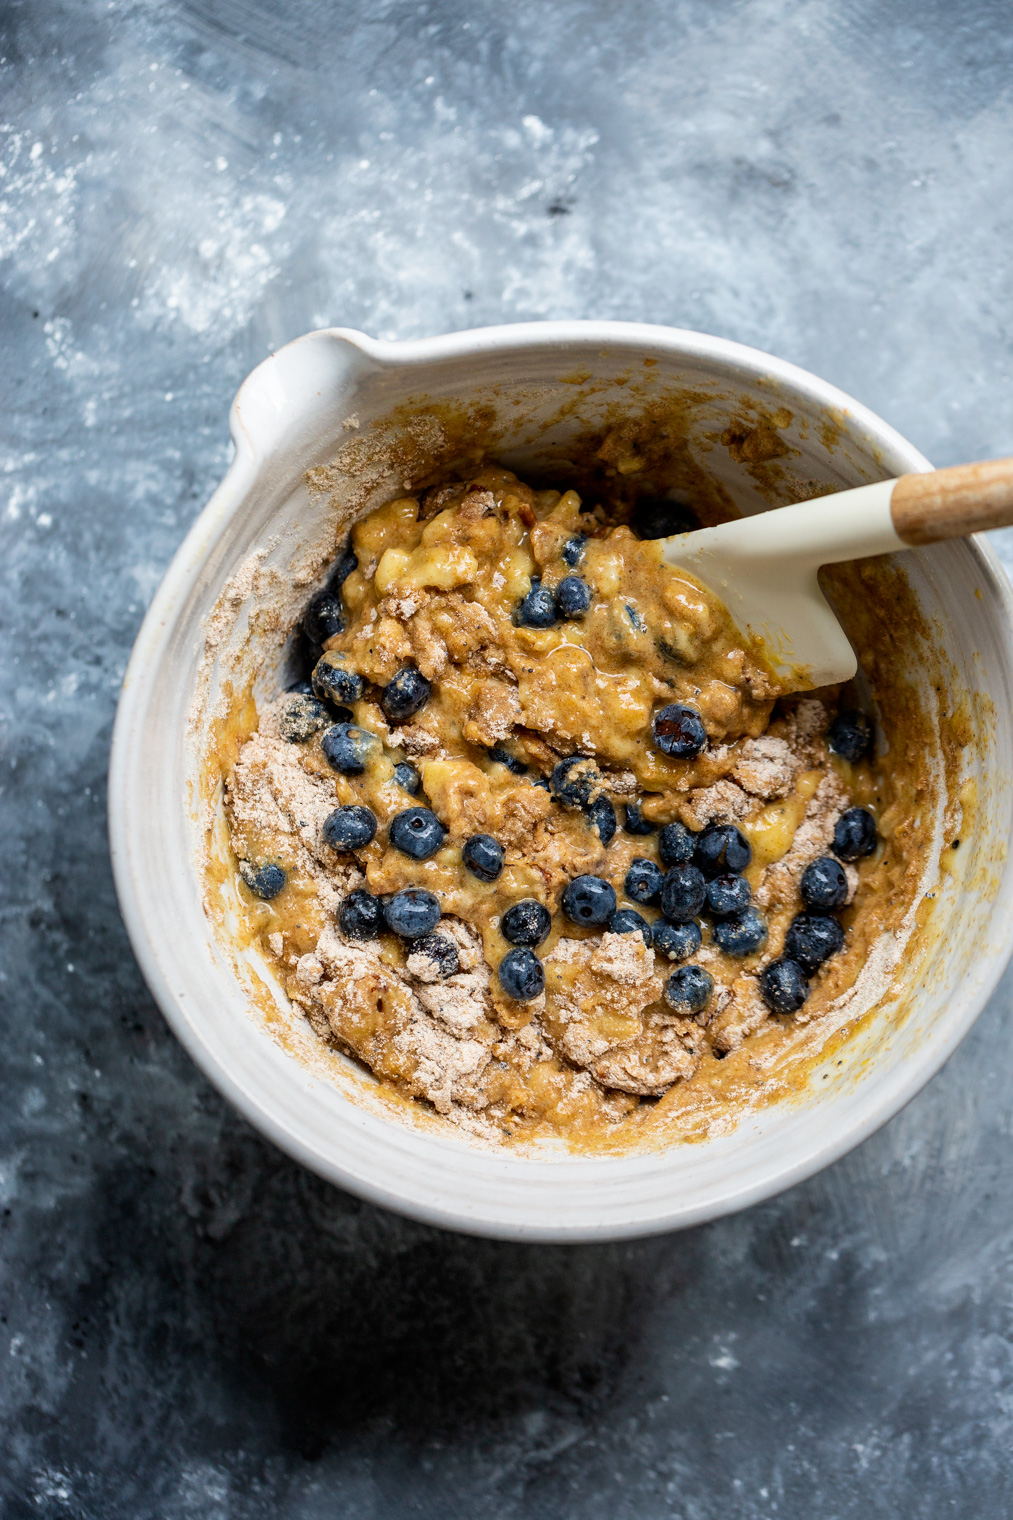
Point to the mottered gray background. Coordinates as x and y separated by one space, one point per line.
190 1325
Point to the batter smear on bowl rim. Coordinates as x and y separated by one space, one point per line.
539 840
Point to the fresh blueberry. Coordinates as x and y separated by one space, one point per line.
574 781
728 895
573 596
404 694
537 609
743 935
688 990
412 912
643 880
812 939
263 881
361 915
783 986
343 567
722 848
573 549
348 748
349 828
824 884
629 921
589 900
504 757
324 617
300 688
408 778
442 952
542 782
521 975
526 922
683 893
417 832
333 683
676 942
854 834
658 517
601 815
636 823
483 856
676 845
679 731
851 735
301 718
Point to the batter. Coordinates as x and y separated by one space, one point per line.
538 838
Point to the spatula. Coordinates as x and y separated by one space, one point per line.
764 567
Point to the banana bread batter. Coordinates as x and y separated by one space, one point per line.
540 838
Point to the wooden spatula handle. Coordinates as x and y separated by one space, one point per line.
968 498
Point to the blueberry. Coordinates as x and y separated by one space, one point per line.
263 881
854 834
349 828
637 622
589 900
521 975
361 915
573 549
537 609
676 845
504 757
682 894
812 939
417 832
442 952
404 694
722 848
333 683
851 735
643 880
688 990
347 748
300 688
324 617
483 856
729 895
743 935
408 778
636 823
824 884
301 718
676 942
628 921
679 731
412 912
783 986
601 815
573 596
343 567
574 781
526 922
658 517
542 782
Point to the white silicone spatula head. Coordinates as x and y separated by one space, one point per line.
764 568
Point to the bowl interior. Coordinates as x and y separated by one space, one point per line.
376 420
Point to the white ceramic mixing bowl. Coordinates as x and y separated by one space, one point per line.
542 383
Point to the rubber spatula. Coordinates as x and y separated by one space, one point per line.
764 567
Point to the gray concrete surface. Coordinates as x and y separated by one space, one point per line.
189 1324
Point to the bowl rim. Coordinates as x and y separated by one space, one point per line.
172 594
